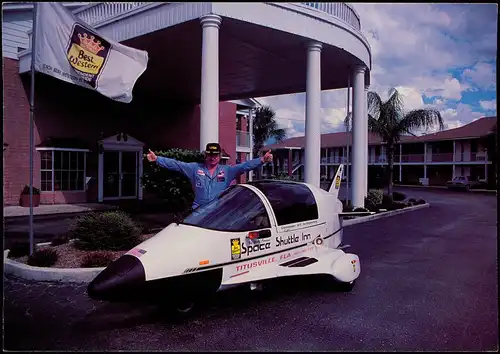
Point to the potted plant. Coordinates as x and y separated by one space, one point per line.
25 197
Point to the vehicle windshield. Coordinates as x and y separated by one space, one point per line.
236 209
459 178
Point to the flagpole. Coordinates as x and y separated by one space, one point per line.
348 142
32 137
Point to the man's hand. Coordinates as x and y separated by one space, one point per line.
151 156
268 157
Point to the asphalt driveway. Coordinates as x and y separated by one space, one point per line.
428 282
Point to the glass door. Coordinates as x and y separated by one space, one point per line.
129 174
111 180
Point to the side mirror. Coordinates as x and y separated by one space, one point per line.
259 234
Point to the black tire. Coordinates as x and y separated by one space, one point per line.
467 188
346 287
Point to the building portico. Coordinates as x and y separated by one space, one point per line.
205 53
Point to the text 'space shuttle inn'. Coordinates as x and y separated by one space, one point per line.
252 232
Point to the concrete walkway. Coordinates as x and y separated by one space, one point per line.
18 211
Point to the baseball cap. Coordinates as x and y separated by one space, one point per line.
213 149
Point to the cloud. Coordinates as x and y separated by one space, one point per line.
482 75
489 105
438 53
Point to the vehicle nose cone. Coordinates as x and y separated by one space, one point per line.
120 281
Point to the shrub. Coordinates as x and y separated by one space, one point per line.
411 202
375 196
113 231
19 249
396 206
59 240
398 196
45 257
97 259
421 201
387 199
360 209
26 190
172 187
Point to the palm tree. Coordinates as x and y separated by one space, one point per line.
265 127
389 121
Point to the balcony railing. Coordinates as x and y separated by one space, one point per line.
242 139
341 10
102 11
471 157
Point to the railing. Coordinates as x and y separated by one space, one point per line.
446 157
102 11
377 159
340 10
242 139
471 157
412 158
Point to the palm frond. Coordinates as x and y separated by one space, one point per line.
375 104
420 118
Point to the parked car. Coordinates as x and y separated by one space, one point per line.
465 182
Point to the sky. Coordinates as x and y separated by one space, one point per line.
440 56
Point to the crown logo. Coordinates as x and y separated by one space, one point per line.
90 44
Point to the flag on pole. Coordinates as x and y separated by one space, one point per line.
70 50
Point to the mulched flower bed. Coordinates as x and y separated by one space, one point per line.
71 257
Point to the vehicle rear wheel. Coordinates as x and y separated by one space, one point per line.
467 187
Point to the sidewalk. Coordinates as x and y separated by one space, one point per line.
54 209
444 187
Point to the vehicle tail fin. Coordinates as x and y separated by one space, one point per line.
335 186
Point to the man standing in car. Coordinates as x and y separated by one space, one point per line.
209 179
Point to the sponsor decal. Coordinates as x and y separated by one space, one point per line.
200 173
310 248
318 241
198 184
220 177
255 264
87 53
285 256
337 182
255 247
137 252
353 262
235 248
291 239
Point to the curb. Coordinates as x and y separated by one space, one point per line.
386 214
86 275
64 275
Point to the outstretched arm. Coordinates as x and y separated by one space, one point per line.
174 165
235 171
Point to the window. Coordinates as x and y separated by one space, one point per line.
236 209
291 202
62 170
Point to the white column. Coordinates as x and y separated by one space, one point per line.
100 177
454 150
313 121
400 162
141 173
358 143
425 160
250 131
209 102
365 141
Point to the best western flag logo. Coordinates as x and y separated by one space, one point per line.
87 53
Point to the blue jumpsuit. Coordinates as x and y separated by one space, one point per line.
207 188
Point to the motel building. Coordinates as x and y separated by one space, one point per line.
206 63
431 159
